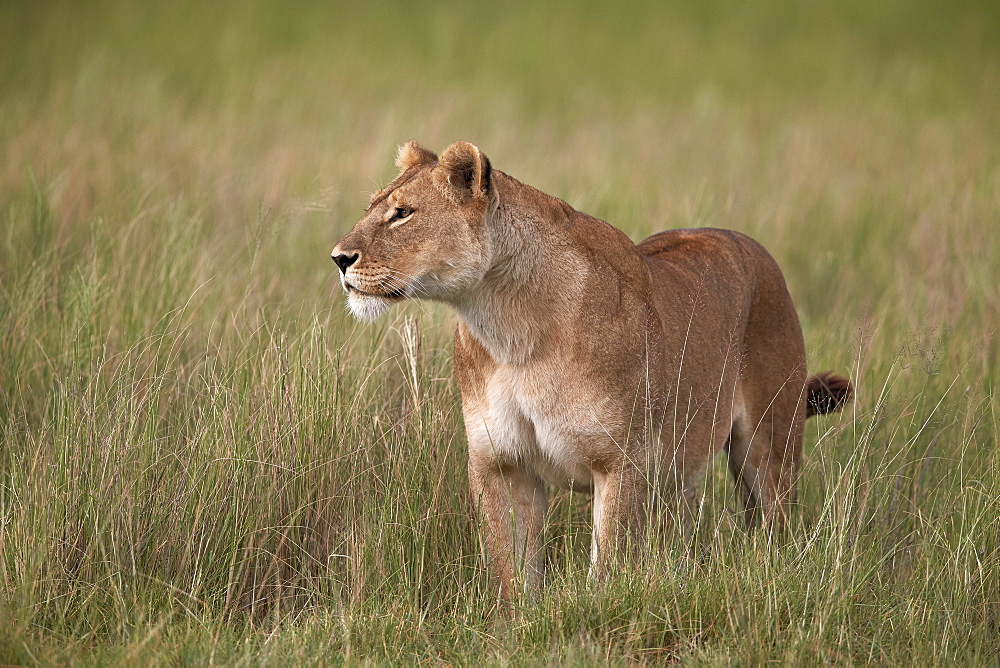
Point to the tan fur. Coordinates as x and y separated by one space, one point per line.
585 360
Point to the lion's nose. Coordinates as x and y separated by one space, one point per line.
344 260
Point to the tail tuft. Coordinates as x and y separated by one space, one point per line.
827 392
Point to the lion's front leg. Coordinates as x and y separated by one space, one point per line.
511 504
621 499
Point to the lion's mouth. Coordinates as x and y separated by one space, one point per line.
393 294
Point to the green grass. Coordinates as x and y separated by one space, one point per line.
205 460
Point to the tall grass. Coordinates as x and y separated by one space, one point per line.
206 461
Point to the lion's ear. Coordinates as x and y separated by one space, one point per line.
464 171
412 154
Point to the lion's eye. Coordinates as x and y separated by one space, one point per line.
402 212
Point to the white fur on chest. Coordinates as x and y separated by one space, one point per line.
531 418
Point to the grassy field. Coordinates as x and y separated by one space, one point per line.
205 460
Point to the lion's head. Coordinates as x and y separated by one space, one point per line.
422 235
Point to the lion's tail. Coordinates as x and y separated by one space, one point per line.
827 392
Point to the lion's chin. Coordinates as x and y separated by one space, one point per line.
367 307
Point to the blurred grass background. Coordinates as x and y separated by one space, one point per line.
205 460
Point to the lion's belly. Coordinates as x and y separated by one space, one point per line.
536 421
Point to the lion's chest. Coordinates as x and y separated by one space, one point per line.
542 419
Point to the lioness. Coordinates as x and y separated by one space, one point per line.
587 361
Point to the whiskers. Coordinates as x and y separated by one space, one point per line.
400 281
375 288
406 284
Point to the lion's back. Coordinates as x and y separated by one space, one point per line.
697 246
722 281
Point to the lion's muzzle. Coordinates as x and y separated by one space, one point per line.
344 260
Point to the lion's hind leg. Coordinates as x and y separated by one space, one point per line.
764 456
744 476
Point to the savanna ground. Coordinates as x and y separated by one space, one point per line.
205 460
